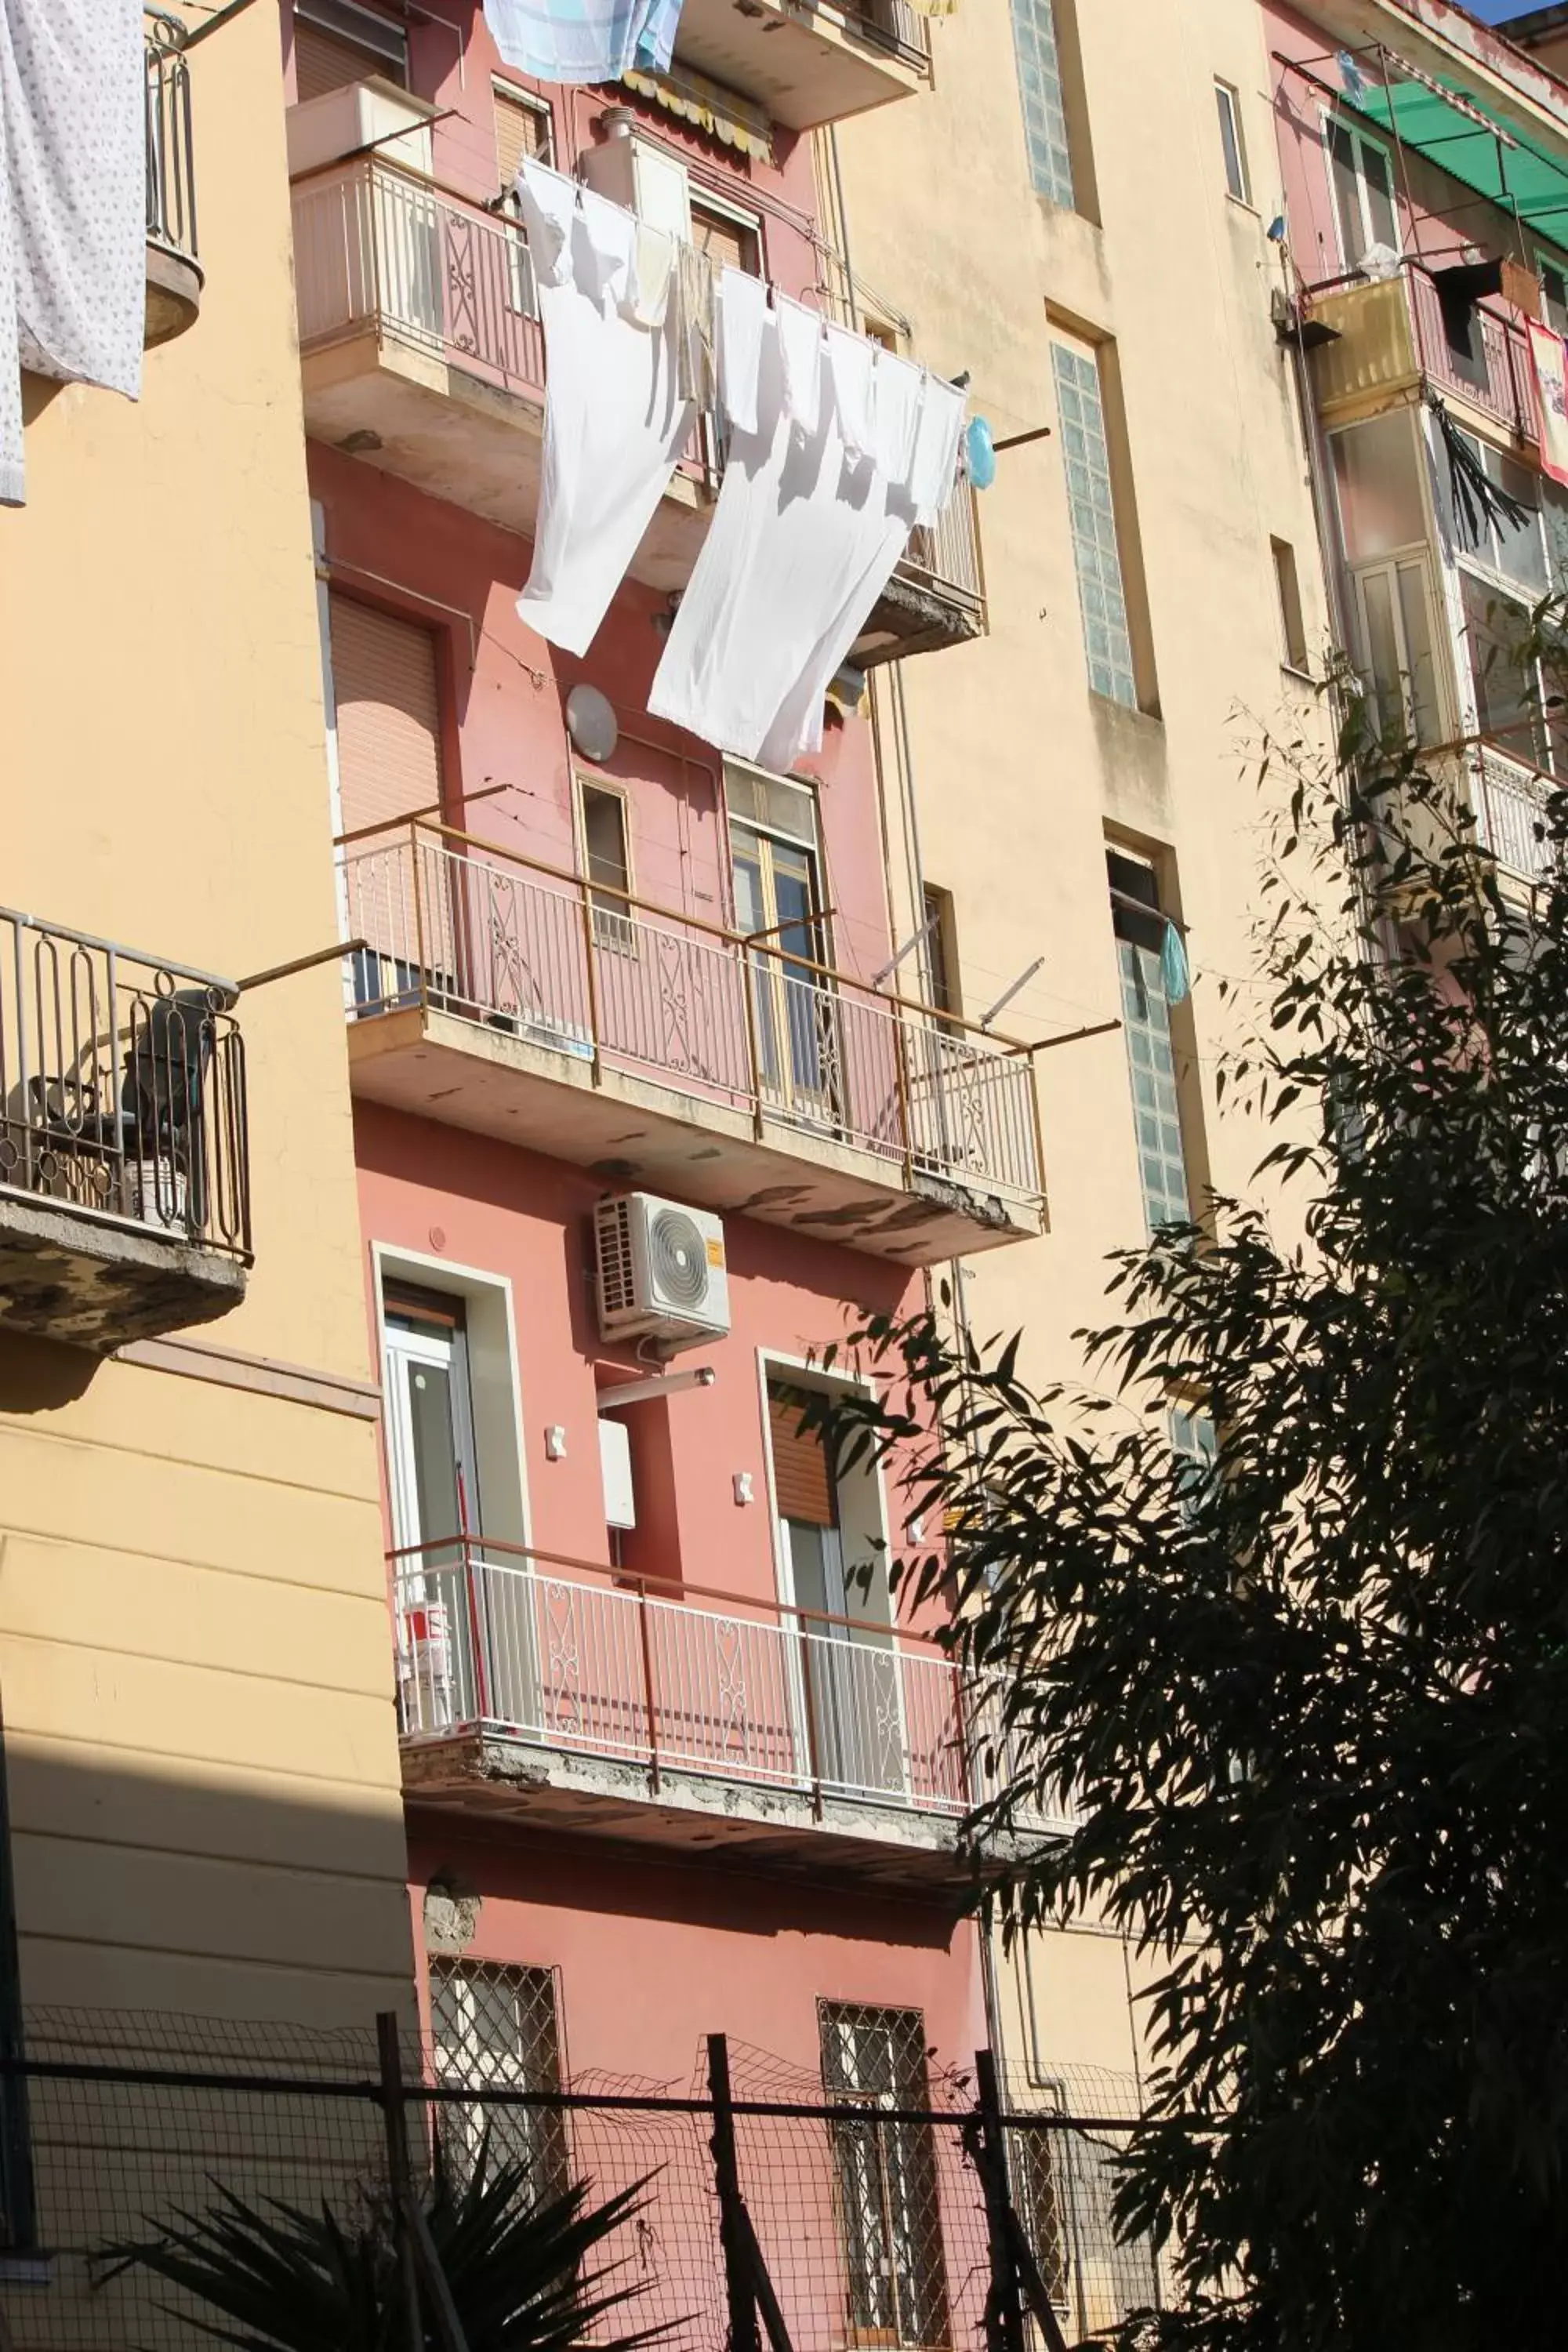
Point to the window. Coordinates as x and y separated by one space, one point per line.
1379 474
1140 927
1192 1442
1516 550
606 862
1293 631
889 2217
1392 609
1553 293
730 240
1363 180
1230 142
499 2026
1091 515
1038 57
778 902
1510 689
941 962
524 135
337 43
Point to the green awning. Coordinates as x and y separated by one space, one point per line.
1521 178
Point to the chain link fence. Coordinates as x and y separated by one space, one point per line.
865 2188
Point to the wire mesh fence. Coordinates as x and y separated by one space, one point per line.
865 2186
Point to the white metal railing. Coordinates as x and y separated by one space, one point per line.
489 1635
1509 797
596 974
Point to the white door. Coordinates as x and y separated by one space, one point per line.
435 1502
850 1694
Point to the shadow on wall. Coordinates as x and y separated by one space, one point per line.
40 1375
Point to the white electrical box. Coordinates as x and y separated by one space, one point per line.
616 1462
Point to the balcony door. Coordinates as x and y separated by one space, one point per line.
434 1485
779 904
849 1691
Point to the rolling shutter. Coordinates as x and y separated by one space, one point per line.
336 43
523 135
389 715
728 244
801 1482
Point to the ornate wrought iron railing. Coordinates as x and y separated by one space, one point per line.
171 166
121 1086
595 974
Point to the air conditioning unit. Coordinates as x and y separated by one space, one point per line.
660 1271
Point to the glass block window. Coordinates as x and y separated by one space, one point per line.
888 2209
498 2026
1140 929
1091 515
1040 90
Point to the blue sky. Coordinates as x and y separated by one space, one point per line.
1492 12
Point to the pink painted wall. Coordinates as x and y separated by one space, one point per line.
1440 221
507 691
513 1213
653 1957
451 60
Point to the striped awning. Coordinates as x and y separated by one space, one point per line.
731 120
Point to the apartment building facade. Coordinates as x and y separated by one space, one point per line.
1421 161
1157 613
203 1788
642 1127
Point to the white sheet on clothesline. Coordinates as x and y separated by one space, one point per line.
73 212
805 537
614 424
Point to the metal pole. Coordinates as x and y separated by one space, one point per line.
400 2172
733 2233
645 1640
1004 2310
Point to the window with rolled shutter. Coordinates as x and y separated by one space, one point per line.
729 244
336 43
523 134
801 1479
389 715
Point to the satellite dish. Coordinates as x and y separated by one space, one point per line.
591 722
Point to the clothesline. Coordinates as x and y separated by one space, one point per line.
835 449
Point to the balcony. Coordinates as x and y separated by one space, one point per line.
1508 797
124 1202
500 995
1388 336
422 354
173 272
554 1692
807 63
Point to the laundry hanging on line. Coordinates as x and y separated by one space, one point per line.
615 419
810 522
584 40
73 218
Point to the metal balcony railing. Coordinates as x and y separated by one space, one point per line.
1388 329
596 974
171 169
377 248
121 1086
1509 794
560 1655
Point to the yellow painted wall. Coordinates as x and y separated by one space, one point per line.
194 1661
1018 771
